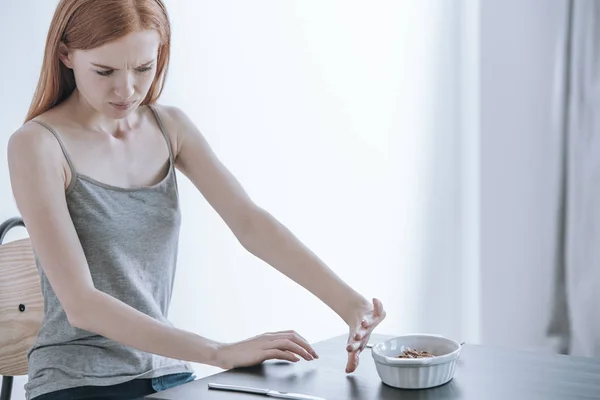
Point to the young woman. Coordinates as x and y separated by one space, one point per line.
92 170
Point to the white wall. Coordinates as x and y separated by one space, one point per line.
522 44
323 110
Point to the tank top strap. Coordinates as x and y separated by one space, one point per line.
163 130
62 146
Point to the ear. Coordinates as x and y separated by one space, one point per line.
65 55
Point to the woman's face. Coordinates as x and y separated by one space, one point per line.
115 78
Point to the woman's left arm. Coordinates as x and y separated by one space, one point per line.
273 243
265 237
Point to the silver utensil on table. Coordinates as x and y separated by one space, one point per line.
267 392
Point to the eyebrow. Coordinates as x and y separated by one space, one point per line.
116 69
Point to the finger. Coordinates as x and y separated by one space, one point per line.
378 307
364 342
358 346
294 336
352 347
287 344
276 354
293 332
377 315
352 362
356 334
371 322
359 338
299 340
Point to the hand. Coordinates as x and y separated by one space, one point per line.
365 318
285 345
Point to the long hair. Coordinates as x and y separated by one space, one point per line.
87 24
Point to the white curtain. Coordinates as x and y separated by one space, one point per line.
576 315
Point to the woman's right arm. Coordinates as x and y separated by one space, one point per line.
38 176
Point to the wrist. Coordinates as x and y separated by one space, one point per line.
220 356
208 352
353 307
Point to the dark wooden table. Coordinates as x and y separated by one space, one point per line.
483 372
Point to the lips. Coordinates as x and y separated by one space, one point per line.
123 106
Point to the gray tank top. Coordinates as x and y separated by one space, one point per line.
130 240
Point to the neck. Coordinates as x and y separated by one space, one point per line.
91 119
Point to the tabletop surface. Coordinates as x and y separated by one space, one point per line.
482 372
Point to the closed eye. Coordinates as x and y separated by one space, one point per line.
105 73
110 71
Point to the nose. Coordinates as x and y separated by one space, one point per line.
125 86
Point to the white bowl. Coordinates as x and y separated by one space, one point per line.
416 373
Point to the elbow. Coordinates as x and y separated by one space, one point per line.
252 228
78 312
247 224
75 320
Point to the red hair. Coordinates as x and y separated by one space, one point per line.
87 24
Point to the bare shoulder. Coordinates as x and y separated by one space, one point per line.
33 142
177 124
32 148
171 112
